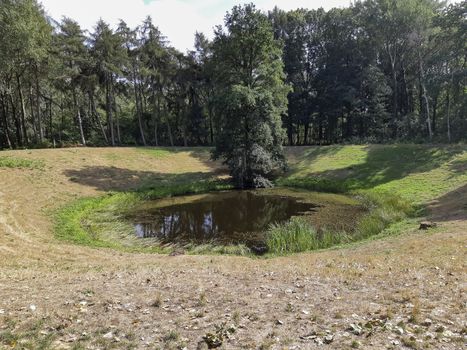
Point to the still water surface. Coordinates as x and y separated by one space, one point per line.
223 217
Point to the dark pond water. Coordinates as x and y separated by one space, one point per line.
224 217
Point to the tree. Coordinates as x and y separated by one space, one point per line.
109 55
252 96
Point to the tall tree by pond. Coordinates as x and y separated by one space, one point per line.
252 96
377 71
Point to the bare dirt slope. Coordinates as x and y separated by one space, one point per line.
403 291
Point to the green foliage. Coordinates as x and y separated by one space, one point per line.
251 96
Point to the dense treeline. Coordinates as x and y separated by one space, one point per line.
377 71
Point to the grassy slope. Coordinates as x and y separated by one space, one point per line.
417 173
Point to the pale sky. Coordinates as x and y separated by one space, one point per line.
177 19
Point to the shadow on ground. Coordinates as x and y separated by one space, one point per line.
451 206
381 164
109 178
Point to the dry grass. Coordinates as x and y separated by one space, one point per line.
86 297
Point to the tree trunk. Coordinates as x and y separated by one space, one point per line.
38 105
305 134
17 122
395 115
169 130
4 123
138 107
78 116
448 101
23 110
117 121
97 117
211 127
155 116
425 98
435 109
110 121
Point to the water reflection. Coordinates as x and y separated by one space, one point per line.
224 217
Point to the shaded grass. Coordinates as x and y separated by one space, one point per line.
14 162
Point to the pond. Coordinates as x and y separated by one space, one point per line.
237 217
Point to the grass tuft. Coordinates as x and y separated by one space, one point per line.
21 163
297 235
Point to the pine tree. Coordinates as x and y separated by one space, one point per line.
252 96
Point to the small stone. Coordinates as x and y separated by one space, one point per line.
279 322
448 334
328 339
395 342
2 311
398 330
355 329
108 335
32 307
305 312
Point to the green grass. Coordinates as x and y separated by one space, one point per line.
14 162
392 182
162 152
97 222
297 235
416 173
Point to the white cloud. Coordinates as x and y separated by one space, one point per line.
177 19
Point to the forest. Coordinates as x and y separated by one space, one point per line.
377 71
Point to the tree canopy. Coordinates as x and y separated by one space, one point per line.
377 71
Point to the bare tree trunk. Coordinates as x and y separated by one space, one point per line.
435 110
78 116
138 107
5 127
97 117
38 105
110 122
425 98
23 110
117 120
17 122
448 98
392 59
169 130
155 116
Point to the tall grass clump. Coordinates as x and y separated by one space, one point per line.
297 235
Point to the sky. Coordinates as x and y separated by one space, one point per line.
178 20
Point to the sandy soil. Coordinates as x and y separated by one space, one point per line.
406 291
